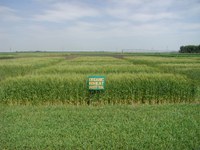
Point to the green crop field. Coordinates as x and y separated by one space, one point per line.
61 78
144 127
151 101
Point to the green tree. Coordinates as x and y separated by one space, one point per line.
190 49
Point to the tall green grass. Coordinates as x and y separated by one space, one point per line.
150 88
192 71
123 88
14 70
131 79
92 69
23 66
152 60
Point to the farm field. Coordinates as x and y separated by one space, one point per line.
61 78
151 101
150 127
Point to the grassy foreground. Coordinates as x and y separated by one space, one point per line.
139 127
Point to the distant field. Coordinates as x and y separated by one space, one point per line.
40 78
143 127
44 101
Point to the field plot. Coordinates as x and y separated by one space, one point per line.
144 127
129 79
33 89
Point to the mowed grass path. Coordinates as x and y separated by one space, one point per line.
103 127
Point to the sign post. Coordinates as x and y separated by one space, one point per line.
95 85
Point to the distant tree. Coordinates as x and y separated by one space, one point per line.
190 49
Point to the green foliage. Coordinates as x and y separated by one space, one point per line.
144 127
150 88
38 89
123 88
130 79
97 69
14 70
23 66
190 49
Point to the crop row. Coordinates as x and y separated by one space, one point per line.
23 66
120 88
104 69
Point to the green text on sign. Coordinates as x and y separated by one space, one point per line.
96 82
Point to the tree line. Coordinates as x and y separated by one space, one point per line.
190 49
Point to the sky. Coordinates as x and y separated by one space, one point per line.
98 25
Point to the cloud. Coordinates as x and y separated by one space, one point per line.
141 11
110 24
8 14
125 2
66 11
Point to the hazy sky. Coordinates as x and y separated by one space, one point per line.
98 24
